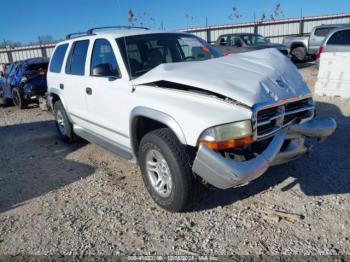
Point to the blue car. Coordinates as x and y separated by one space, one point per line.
24 82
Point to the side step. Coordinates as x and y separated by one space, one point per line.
105 143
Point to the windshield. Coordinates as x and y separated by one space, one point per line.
254 39
145 52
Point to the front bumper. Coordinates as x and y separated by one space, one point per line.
225 173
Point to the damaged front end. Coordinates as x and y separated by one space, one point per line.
281 133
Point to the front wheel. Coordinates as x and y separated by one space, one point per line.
166 169
299 54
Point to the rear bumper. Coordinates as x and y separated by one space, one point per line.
33 92
225 173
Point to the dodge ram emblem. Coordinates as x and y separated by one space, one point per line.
281 84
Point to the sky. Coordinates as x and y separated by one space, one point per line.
24 21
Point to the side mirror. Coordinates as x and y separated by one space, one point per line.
104 70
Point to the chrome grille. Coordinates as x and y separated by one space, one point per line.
271 118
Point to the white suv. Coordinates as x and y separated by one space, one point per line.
184 113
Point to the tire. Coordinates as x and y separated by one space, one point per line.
3 101
63 125
299 54
18 99
175 165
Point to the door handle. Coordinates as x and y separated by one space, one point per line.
62 86
89 90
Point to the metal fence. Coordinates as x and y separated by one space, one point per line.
275 30
24 52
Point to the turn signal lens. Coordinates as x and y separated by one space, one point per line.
222 145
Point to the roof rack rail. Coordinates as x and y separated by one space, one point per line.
74 35
90 31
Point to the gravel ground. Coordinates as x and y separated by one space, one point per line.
81 200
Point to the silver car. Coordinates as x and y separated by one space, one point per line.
337 40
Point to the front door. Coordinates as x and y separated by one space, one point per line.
109 93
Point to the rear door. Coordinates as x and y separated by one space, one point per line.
74 82
316 38
338 42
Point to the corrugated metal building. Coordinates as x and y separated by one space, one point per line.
275 30
24 52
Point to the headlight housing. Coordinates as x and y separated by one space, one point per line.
227 136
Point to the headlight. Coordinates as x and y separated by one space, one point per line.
227 136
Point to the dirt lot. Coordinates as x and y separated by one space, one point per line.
79 199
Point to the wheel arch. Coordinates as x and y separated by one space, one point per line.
155 119
53 97
297 44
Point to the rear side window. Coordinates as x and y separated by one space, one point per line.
103 54
77 58
323 31
340 38
57 58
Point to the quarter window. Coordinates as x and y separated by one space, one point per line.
57 58
76 61
340 38
103 54
322 31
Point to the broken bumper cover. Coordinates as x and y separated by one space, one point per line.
225 173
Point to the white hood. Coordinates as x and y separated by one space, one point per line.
250 78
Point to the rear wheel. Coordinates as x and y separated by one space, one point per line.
299 54
166 169
63 125
18 99
3 101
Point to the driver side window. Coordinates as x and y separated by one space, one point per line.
235 41
103 57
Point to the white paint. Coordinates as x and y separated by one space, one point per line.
334 75
249 78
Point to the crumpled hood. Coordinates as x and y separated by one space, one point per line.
250 78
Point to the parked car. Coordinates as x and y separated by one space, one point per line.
245 42
171 103
337 40
25 81
302 48
3 80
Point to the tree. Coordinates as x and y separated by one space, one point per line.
9 44
235 15
141 19
131 17
277 13
45 39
